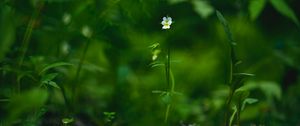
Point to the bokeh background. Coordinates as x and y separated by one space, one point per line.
115 83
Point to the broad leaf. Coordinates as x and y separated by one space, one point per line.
282 7
26 102
248 101
203 8
256 7
53 84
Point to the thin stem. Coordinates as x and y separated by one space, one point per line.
74 88
231 92
172 82
26 38
167 112
238 114
227 107
167 66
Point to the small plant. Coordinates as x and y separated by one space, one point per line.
166 95
109 117
67 121
238 96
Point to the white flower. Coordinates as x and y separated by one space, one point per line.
167 21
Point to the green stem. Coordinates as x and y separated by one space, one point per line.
167 66
74 88
167 112
26 38
238 114
231 91
227 107
170 81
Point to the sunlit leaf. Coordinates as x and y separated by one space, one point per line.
256 7
67 120
271 89
282 7
203 8
248 101
58 64
26 102
53 84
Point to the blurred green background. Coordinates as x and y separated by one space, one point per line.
43 43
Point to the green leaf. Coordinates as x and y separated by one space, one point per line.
241 94
248 101
282 7
26 102
67 120
176 1
58 64
226 27
49 77
53 84
271 89
7 30
167 98
255 8
203 8
233 115
239 79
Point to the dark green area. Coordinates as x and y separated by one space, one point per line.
89 63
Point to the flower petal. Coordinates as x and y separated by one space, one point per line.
164 18
166 27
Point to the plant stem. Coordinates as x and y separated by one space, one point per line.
167 65
26 38
167 112
238 114
231 92
170 81
74 88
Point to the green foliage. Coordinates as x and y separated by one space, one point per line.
53 65
109 116
203 8
71 62
7 32
47 80
67 121
256 7
282 7
26 102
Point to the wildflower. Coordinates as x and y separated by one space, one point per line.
167 21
